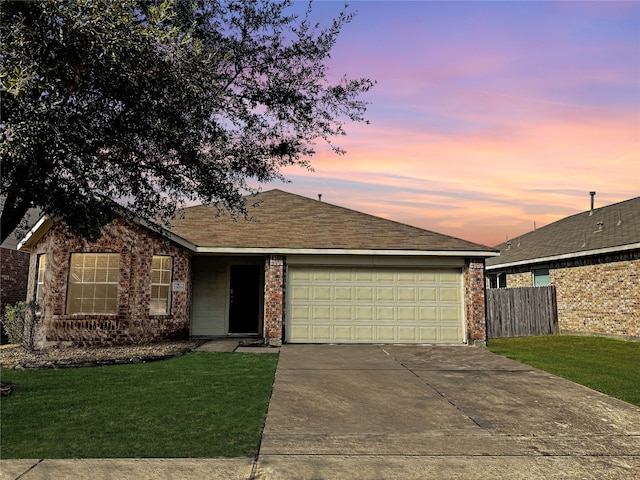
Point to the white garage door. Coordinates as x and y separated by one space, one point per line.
374 305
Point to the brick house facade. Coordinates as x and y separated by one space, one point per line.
435 283
14 268
132 322
592 259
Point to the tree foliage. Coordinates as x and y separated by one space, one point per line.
150 104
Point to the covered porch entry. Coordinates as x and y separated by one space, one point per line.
228 296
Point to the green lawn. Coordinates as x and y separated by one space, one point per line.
603 364
197 405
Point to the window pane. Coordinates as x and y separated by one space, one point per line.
165 277
160 285
93 283
541 277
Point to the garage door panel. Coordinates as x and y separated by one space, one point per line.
303 313
451 294
364 294
321 313
428 294
342 333
428 277
302 293
385 313
450 277
429 314
407 294
383 276
321 333
368 304
301 332
343 275
449 314
321 294
385 294
363 276
365 314
364 334
406 276
343 313
407 314
407 334
450 334
385 333
321 274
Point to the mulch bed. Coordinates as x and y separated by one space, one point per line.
16 357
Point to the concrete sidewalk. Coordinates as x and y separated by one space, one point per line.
129 469
406 412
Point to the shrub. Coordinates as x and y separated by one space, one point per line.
20 323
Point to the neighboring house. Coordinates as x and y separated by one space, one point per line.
14 270
297 270
593 260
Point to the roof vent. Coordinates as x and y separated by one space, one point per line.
593 194
600 226
319 197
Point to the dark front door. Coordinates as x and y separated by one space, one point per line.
244 299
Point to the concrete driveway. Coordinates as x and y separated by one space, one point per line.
418 412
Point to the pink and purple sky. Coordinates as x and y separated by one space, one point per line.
487 116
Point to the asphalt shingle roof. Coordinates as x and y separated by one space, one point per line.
286 220
606 227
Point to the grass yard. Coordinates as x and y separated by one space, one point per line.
197 405
603 364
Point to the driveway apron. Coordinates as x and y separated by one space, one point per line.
457 412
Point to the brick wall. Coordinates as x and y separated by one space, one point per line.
597 295
519 280
14 271
600 298
132 323
273 299
475 301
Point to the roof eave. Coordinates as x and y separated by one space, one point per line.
154 227
342 251
566 256
37 231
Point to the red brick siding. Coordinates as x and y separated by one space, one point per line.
132 324
475 311
273 299
14 272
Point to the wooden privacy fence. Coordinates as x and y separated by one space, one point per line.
521 312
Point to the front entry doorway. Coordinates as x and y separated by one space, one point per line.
244 299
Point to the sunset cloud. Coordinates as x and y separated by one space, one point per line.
487 116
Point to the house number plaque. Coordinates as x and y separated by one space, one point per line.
178 287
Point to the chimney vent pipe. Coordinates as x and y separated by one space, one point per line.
593 194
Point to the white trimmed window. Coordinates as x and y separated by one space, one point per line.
93 283
40 278
541 277
161 270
